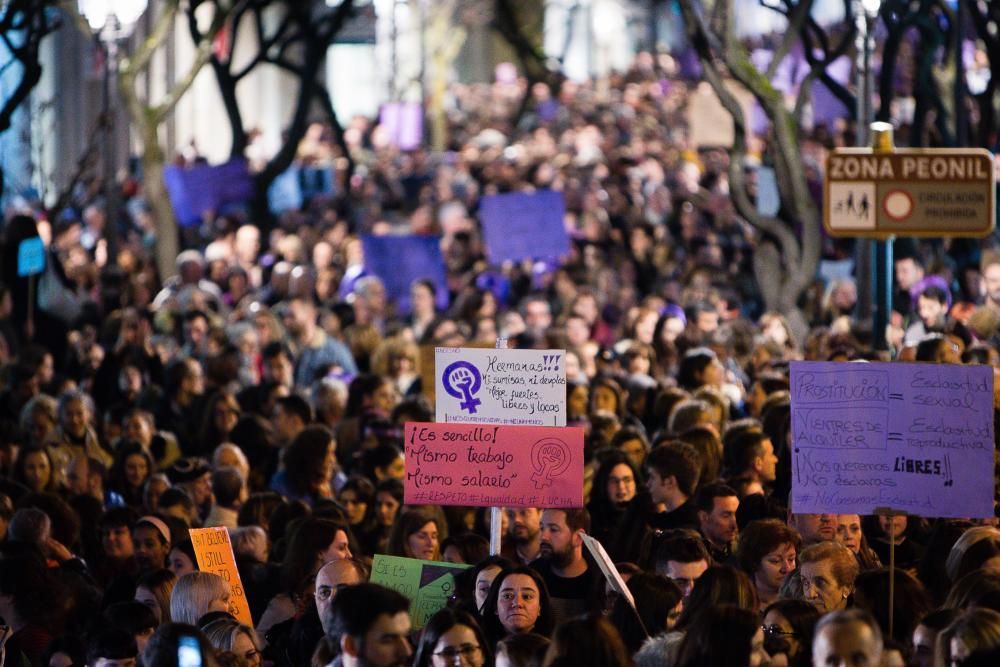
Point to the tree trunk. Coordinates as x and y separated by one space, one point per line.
155 189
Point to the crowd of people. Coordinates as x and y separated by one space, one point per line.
264 388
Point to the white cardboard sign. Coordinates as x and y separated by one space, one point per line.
484 386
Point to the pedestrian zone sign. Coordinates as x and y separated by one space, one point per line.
909 192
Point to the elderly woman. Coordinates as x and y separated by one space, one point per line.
76 434
827 571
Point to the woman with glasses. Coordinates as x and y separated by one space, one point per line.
616 487
788 630
453 637
220 417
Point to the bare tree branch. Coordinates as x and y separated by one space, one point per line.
796 230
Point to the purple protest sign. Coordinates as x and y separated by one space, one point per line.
914 438
400 260
827 107
201 188
523 225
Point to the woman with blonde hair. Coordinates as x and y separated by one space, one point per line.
227 634
968 539
977 629
399 360
774 327
196 594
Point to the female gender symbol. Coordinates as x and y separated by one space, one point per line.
461 379
549 458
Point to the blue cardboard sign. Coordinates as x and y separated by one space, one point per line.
915 438
523 225
400 260
30 257
285 193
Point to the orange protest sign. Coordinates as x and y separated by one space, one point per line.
214 552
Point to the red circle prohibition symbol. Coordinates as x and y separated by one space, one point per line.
898 205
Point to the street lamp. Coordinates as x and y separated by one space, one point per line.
865 14
874 257
112 21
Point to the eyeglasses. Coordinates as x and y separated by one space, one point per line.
775 631
464 651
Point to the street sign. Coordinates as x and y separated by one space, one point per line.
909 192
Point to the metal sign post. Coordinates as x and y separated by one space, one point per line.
496 517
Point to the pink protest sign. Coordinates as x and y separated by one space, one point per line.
493 466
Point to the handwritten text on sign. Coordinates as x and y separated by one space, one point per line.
214 552
488 466
481 386
916 438
428 584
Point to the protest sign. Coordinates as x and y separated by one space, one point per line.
403 122
285 193
486 466
400 260
709 124
30 257
428 584
913 438
768 195
201 188
608 569
214 552
523 225
500 386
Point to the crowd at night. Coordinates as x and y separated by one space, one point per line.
265 388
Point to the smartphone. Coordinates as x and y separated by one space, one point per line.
188 652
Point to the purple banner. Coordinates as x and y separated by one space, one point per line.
914 438
202 188
400 260
524 225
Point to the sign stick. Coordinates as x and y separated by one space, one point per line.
31 307
496 520
892 514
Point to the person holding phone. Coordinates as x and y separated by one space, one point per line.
179 645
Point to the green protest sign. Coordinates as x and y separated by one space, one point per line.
428 584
